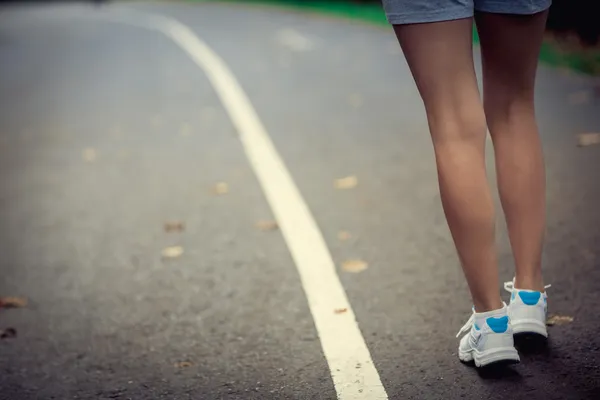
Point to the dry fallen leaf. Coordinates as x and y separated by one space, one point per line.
348 182
157 120
185 130
354 266
89 154
580 97
294 40
340 310
8 333
12 302
172 252
344 235
588 139
116 132
355 100
183 364
174 226
267 225
558 320
221 188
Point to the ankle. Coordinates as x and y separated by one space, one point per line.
487 305
531 282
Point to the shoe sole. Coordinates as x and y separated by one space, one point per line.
505 355
521 327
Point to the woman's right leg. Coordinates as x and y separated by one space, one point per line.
510 46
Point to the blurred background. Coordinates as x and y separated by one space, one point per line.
153 244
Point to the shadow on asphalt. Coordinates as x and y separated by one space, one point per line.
532 345
500 372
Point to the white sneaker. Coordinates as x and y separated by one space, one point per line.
490 339
527 310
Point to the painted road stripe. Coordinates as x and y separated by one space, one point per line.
352 370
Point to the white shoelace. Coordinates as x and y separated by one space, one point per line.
510 286
467 327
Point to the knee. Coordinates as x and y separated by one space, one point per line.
458 124
506 106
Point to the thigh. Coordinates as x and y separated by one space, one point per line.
510 46
440 57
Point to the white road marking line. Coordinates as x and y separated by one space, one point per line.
352 370
294 40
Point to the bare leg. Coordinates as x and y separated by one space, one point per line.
510 47
441 60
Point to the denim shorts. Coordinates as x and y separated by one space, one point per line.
418 11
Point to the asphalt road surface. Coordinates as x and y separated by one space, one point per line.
113 123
